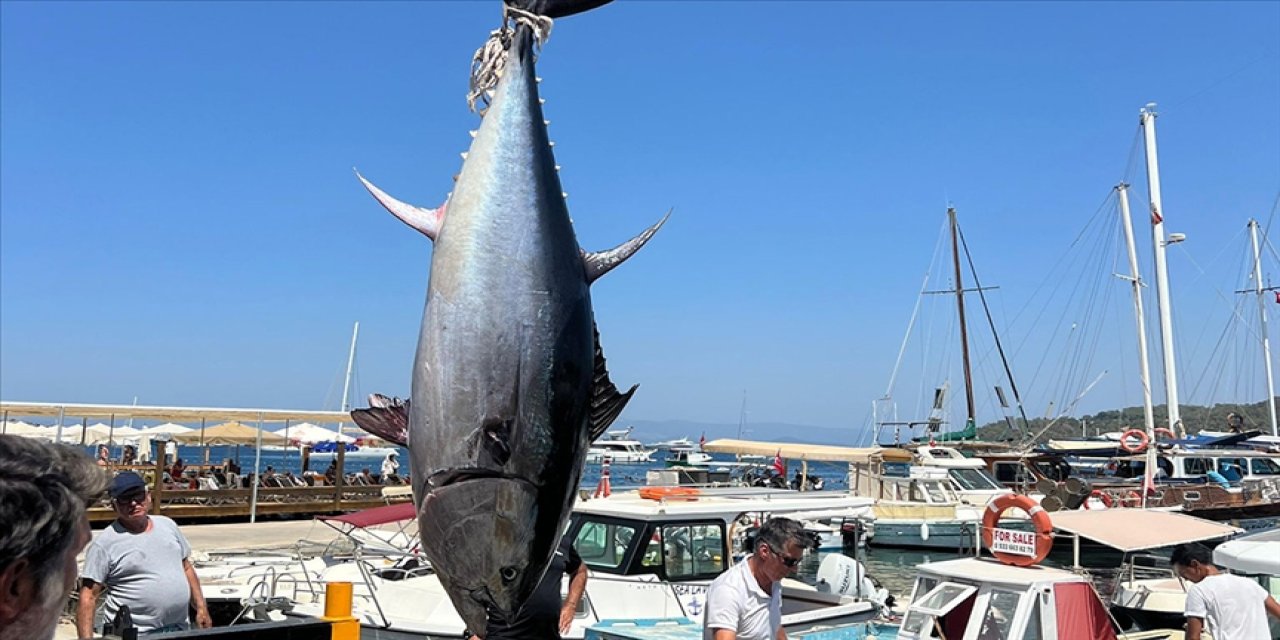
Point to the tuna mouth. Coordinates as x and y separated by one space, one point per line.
447 477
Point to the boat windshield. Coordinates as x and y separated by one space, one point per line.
974 480
604 544
997 623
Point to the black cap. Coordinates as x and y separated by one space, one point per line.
126 482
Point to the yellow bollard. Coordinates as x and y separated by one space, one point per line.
337 610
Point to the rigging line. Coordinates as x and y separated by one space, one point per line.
1131 166
1214 84
1271 216
1061 262
924 285
1017 398
1222 337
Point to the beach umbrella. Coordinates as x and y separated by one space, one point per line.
27 430
168 427
307 433
229 433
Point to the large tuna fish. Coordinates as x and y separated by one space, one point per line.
509 383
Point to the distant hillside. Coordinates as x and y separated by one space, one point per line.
1194 418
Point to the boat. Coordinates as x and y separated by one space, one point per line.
650 553
970 478
1010 595
619 448
687 455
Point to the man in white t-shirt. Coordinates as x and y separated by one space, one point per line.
745 602
1232 607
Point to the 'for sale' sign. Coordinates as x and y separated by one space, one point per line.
1021 543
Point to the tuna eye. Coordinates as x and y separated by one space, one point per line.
508 574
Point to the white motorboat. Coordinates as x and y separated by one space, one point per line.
648 557
970 479
619 448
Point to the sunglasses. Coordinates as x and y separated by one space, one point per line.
138 498
788 561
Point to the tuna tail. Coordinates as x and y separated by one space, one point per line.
427 221
556 8
387 418
602 262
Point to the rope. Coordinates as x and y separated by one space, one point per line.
491 58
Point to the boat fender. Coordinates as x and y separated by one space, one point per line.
1039 519
924 531
1129 445
1105 499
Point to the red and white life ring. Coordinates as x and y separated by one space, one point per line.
1039 518
1102 497
1131 499
1168 433
1128 445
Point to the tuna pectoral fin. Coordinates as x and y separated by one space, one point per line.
427 221
387 418
600 263
606 401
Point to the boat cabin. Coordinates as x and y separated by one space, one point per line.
969 476
983 599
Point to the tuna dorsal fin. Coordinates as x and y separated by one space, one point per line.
386 417
427 221
600 263
606 402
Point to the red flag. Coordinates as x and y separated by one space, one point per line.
1156 218
702 442
778 465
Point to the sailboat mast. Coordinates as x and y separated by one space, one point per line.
1262 314
1148 120
964 332
1144 369
351 360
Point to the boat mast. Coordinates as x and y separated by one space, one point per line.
964 333
1262 314
1148 121
1144 370
742 414
346 385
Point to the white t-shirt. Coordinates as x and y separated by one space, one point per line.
1232 607
736 601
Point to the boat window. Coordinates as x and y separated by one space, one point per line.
923 585
1033 630
936 492
919 621
998 621
1233 469
974 480
1009 472
1264 467
692 550
603 544
1197 466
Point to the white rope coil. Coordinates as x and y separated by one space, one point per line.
490 59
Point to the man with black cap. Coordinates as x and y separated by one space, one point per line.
141 562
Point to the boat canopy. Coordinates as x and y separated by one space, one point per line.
68 409
809 452
375 516
1131 530
1254 554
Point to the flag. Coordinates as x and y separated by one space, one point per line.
778 465
1156 218
702 442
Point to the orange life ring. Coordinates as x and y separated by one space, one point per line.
1102 497
669 493
1039 518
1166 432
1131 499
1143 441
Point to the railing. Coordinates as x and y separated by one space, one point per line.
226 503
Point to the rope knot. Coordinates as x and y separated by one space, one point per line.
490 59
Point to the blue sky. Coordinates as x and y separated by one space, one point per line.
180 221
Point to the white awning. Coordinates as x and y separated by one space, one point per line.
185 414
1257 553
811 452
1139 529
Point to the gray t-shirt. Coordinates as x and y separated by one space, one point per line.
143 571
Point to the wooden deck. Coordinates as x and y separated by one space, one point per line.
188 505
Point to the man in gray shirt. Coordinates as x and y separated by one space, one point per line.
141 562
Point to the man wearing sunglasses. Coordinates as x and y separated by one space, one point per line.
745 602
141 562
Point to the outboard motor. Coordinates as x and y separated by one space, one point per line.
845 576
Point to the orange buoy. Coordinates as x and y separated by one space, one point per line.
1039 518
1102 497
669 493
1131 447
